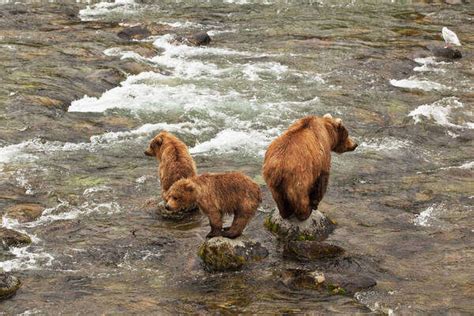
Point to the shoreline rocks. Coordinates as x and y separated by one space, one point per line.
9 284
317 227
224 254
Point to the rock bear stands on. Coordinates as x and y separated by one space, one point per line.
173 156
218 194
297 163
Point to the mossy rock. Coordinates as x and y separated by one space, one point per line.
317 227
224 254
9 284
12 238
308 250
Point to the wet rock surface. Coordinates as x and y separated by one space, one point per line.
158 207
223 254
24 212
445 52
9 284
307 250
12 238
317 227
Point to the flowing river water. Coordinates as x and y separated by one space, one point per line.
403 200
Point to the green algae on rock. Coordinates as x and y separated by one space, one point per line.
221 254
317 227
9 284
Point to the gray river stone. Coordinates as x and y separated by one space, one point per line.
9 284
221 254
308 250
12 238
317 227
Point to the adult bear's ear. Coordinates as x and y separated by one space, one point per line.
327 115
338 122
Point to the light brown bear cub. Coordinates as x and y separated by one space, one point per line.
297 163
173 156
217 194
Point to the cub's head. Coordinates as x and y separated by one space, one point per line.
342 141
181 195
156 143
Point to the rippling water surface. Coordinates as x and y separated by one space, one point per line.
403 200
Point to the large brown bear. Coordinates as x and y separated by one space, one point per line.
217 194
296 165
173 156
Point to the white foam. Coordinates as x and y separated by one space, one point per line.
418 84
186 24
91 13
428 64
253 71
386 144
230 141
27 258
439 112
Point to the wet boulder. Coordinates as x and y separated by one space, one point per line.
9 284
224 254
24 212
12 238
445 52
158 207
329 282
198 39
309 250
135 32
317 227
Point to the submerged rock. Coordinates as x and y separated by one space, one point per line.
332 283
12 238
9 284
136 32
24 212
307 250
158 207
221 254
302 279
317 227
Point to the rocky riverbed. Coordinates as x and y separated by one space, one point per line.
85 86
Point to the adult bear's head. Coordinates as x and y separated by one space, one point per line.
341 142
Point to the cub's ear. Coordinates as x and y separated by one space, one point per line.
327 115
189 186
158 141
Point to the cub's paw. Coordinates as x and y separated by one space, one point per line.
228 234
213 234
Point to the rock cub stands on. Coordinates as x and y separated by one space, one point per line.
297 163
174 159
218 194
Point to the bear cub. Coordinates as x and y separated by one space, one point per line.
217 194
174 159
297 163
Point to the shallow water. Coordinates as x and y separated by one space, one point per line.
403 200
